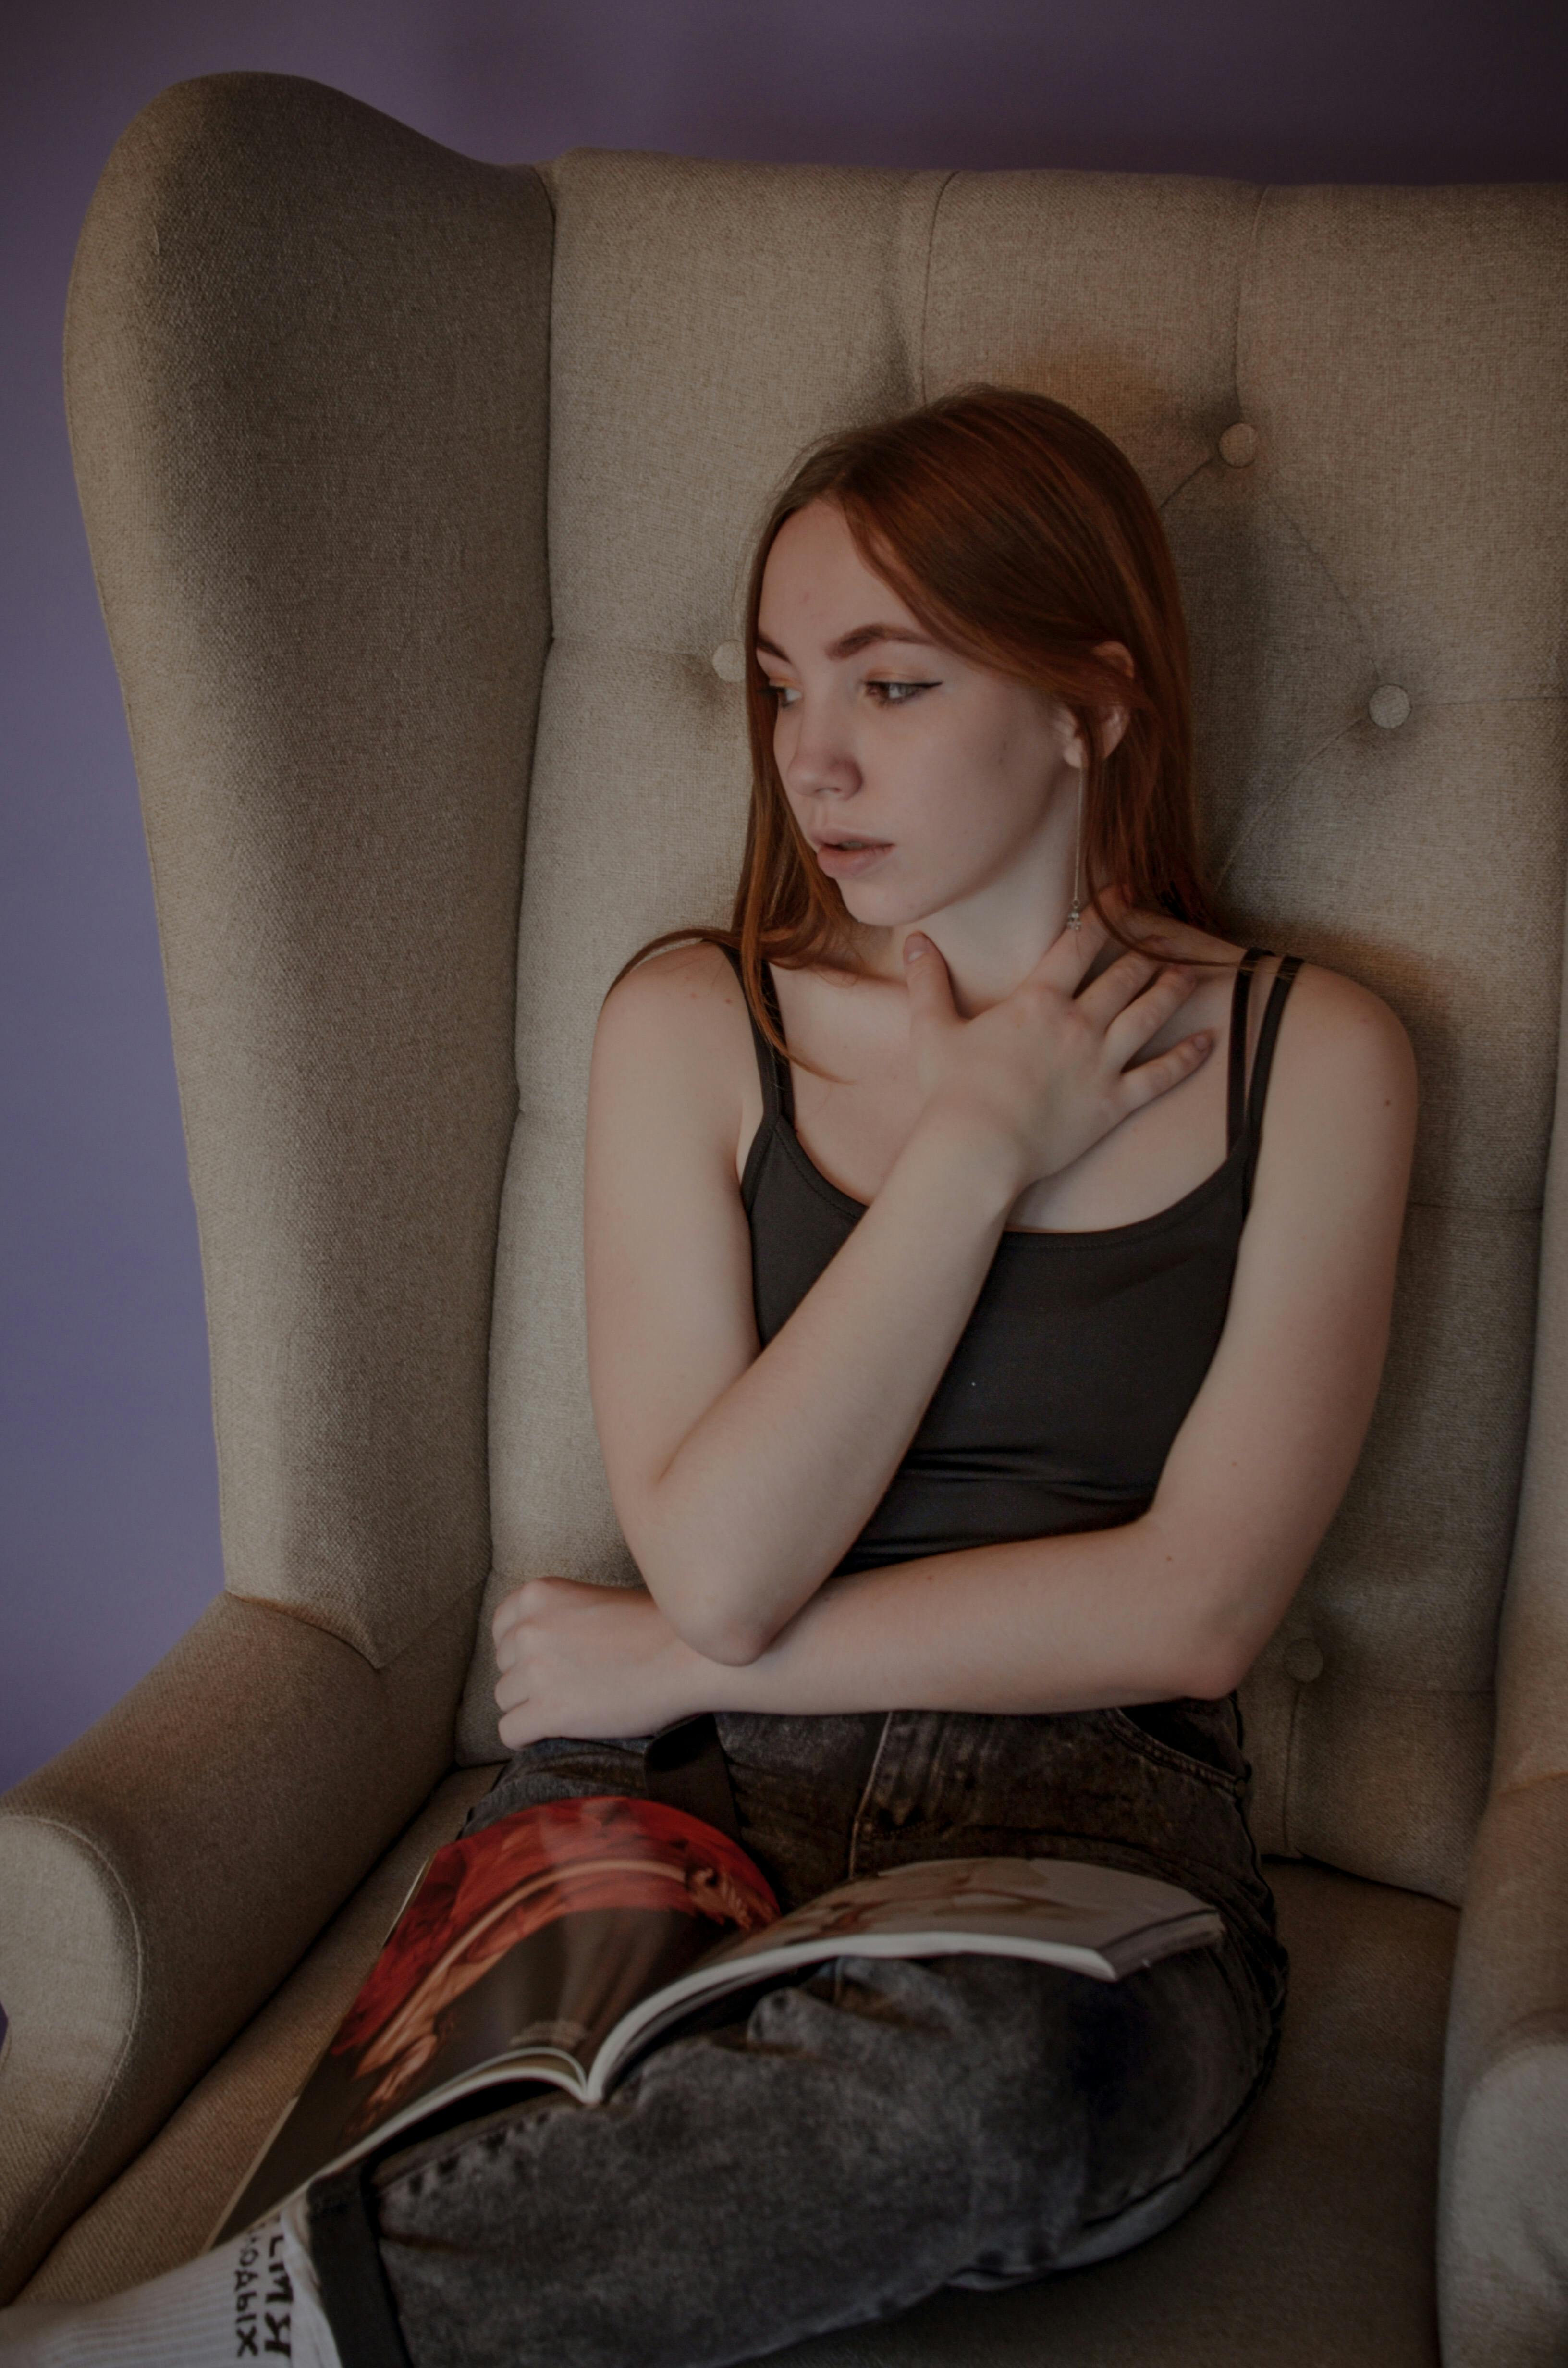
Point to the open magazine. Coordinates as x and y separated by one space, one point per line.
559 1942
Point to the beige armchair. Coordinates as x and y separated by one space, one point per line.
418 492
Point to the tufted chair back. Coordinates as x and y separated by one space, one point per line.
1331 397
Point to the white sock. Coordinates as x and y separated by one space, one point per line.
254 2299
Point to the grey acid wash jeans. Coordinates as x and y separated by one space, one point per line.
856 2138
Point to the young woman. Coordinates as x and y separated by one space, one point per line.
976 1374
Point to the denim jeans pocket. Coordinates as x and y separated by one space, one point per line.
1163 1753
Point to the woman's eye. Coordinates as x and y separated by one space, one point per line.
784 692
897 694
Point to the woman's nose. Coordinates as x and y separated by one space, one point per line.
816 753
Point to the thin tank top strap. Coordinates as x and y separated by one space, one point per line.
1274 1011
1240 996
778 1087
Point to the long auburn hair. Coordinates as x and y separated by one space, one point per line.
1019 535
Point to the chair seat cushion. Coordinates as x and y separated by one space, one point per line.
1316 2244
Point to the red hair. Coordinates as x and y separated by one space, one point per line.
1020 536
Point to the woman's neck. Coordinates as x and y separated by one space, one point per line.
986 958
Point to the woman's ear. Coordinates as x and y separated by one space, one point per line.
1113 718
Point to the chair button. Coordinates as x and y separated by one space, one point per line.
1238 445
729 662
1303 1661
1389 706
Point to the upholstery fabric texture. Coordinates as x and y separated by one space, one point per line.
305 382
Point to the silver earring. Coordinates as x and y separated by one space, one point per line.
1076 910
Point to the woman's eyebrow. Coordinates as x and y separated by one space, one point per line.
848 644
864 635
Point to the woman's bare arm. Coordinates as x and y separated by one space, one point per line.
1177 1602
741 1478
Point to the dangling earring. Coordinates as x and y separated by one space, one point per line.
1076 910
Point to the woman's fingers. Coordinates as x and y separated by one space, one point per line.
1144 1013
1117 986
524 1600
506 1614
1069 956
1047 1068
926 979
1151 1079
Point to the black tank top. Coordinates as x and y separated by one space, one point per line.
1083 1352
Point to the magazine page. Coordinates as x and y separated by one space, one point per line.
522 1947
1097 1920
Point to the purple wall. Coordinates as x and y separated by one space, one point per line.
109 1528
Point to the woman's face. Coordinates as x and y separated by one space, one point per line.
956 782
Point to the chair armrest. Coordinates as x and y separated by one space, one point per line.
1502 2206
1503 2212
161 1876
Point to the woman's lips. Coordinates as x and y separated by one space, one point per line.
846 862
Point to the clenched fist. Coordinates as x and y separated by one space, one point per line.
593 1662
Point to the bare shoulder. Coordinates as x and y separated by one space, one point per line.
1342 1090
673 1036
1345 1043
679 1004
1338 1028
1340 1126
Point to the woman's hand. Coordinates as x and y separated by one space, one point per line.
587 1661
1046 1069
